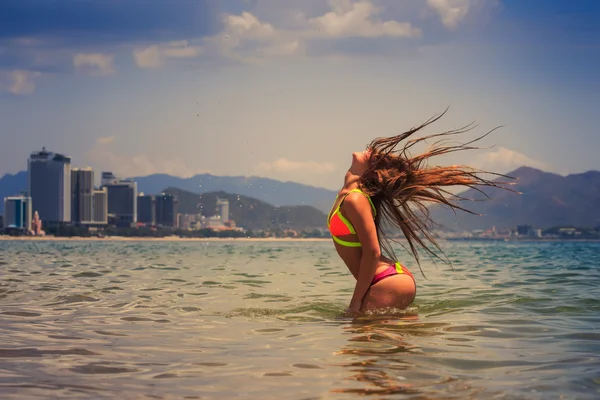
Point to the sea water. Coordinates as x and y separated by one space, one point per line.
264 319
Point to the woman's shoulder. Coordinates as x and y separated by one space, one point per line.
356 198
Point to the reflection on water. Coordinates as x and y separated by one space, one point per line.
265 320
376 359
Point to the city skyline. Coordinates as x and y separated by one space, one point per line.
63 195
264 88
66 195
128 177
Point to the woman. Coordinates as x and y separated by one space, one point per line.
387 186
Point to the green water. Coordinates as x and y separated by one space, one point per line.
240 319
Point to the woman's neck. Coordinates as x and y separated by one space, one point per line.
350 181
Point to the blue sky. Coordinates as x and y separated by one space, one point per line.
288 89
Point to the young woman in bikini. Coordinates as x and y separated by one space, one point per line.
387 188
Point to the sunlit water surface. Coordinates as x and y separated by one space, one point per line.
261 320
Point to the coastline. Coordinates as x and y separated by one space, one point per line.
155 239
8 238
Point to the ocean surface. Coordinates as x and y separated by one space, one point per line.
264 320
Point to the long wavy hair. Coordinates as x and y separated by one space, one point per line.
402 187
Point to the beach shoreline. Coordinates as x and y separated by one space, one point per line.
155 239
8 238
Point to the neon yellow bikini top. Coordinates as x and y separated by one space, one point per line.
340 226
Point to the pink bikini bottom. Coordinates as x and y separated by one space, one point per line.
391 271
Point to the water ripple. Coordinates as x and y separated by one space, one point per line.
229 319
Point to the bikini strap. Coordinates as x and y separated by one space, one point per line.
357 190
337 209
346 243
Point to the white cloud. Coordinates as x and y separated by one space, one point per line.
103 157
155 56
356 20
282 49
148 57
246 38
95 63
249 26
284 165
307 172
452 12
105 140
505 160
21 82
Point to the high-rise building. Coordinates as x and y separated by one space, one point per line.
108 178
122 201
223 206
82 187
146 209
100 206
17 212
186 221
49 176
166 210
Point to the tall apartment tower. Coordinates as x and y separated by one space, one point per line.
166 210
82 188
146 209
122 199
100 206
223 206
49 186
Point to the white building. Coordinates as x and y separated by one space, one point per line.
17 212
49 186
186 221
213 222
223 207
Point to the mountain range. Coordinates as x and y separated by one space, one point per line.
546 199
276 193
271 191
249 212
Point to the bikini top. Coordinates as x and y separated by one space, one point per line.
340 226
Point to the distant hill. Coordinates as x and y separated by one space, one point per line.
249 212
272 191
12 185
548 200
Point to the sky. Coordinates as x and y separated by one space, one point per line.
289 89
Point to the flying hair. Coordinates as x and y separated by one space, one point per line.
402 186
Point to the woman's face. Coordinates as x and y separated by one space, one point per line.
360 162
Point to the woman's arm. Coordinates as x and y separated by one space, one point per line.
358 210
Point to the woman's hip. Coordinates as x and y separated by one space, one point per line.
398 290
